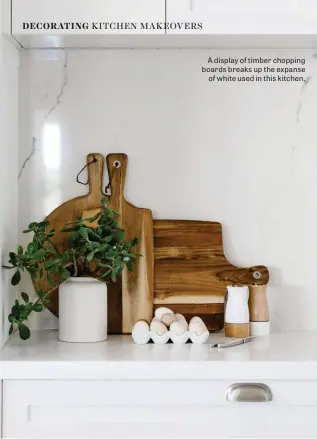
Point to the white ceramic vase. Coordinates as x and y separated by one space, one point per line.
82 310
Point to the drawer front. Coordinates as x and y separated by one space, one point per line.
156 409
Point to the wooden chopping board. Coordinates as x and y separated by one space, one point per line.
192 272
137 287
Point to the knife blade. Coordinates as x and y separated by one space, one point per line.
228 344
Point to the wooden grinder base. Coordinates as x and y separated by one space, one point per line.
237 330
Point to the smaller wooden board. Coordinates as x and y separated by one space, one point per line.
192 272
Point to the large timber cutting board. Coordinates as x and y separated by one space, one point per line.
192 272
137 287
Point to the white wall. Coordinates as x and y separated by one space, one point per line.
244 155
8 170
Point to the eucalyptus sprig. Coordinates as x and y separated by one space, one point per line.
96 248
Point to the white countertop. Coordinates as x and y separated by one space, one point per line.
279 356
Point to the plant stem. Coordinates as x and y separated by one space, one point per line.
75 266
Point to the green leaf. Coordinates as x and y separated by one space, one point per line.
105 201
11 329
27 231
32 247
32 225
94 234
114 276
83 232
65 257
90 256
11 318
119 236
53 270
50 263
16 278
65 274
20 250
39 254
24 331
15 311
37 307
24 312
94 245
25 297
102 248
41 273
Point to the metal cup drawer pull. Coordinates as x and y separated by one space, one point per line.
249 392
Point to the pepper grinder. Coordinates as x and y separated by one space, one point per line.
237 315
259 310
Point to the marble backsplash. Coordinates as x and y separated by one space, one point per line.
243 154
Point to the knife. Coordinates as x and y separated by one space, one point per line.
228 344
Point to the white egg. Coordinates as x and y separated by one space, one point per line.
158 327
141 326
197 327
196 319
168 319
159 312
178 328
180 318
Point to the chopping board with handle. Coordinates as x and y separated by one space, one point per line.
137 286
192 272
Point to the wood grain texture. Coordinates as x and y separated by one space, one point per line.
237 330
190 264
258 303
137 287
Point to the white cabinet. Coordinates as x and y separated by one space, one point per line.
154 408
86 17
221 17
